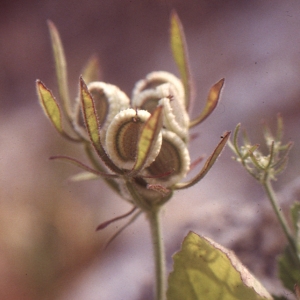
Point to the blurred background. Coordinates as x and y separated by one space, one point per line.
48 245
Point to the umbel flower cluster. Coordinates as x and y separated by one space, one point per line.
142 142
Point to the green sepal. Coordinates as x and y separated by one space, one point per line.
147 139
61 70
208 164
92 125
180 55
205 270
211 103
52 109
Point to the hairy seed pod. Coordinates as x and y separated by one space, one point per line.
109 100
155 79
172 162
176 118
122 138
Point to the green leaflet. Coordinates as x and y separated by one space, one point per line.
180 54
204 270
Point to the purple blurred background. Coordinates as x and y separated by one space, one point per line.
48 246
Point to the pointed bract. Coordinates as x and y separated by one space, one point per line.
208 164
91 71
149 135
211 102
51 108
83 166
92 124
180 54
61 70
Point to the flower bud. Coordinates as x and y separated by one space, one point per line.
122 138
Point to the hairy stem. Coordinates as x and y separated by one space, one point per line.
159 254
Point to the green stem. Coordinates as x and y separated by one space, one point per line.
159 254
273 199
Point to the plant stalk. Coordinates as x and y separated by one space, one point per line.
159 253
274 202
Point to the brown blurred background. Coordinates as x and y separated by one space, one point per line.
48 245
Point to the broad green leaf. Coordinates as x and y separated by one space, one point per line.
208 164
51 108
61 69
211 103
148 138
180 54
205 270
289 268
92 124
91 71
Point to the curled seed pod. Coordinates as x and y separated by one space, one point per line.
109 100
176 118
122 138
155 79
172 162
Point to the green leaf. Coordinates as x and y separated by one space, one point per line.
61 69
147 139
289 268
92 125
51 108
205 270
211 102
208 164
91 71
180 54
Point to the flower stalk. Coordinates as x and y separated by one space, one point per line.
267 185
159 253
